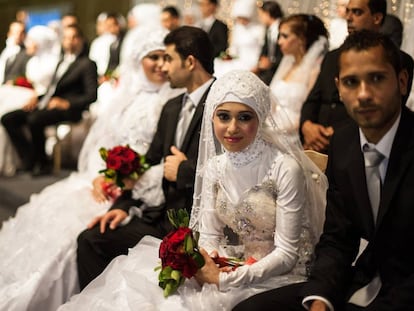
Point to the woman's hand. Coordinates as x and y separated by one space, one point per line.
129 183
98 191
209 273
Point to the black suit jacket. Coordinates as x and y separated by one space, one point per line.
79 86
349 218
267 75
178 194
17 67
219 37
323 106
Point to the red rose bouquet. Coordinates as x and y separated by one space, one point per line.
23 82
122 162
179 253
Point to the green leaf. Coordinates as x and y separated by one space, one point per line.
188 244
104 153
176 275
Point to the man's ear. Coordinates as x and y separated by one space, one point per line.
378 18
403 82
190 62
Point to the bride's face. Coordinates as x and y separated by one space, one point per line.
289 42
152 65
235 125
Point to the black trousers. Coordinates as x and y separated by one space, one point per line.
26 131
96 250
288 298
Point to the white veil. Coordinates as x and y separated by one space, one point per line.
251 91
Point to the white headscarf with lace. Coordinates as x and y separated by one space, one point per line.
246 88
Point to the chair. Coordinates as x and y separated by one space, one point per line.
320 159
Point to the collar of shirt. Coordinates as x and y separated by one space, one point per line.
208 22
196 95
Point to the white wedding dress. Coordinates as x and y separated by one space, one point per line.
291 94
38 265
130 282
39 71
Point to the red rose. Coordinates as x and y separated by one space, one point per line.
113 162
23 82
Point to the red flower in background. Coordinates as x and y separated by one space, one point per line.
23 82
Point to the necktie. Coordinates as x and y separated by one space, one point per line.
373 158
184 120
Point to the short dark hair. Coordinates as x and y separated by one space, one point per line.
309 27
378 6
273 8
366 39
193 41
172 10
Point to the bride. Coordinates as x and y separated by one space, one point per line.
256 183
303 42
38 246
40 44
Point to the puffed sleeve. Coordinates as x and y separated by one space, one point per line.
210 225
290 201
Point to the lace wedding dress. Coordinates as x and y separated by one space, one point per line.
38 246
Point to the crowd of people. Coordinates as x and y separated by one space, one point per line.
224 116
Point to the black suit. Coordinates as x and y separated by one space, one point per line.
349 218
16 67
78 85
219 37
267 75
323 106
96 250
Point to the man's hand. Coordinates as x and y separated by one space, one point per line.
58 103
316 137
113 218
172 162
318 305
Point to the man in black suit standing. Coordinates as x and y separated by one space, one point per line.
270 15
216 29
73 88
323 111
364 259
13 58
188 64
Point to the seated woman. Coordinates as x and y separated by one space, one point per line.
40 43
38 246
303 40
249 179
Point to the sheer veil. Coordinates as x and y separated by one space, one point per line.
245 87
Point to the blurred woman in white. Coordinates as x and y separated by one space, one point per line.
246 39
40 42
303 40
38 246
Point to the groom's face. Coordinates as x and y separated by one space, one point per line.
176 68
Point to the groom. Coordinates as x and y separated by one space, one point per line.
372 83
188 63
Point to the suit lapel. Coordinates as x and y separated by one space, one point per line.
402 154
356 173
198 114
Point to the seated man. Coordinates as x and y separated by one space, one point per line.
370 202
188 63
323 111
73 88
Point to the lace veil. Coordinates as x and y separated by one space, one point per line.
246 88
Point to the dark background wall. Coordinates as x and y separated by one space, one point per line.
86 10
